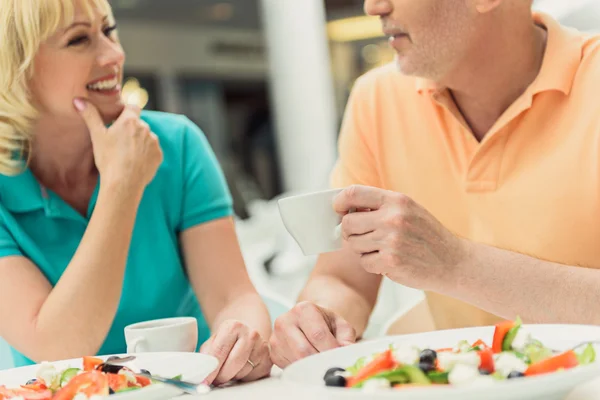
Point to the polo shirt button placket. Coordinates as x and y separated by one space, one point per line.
48 208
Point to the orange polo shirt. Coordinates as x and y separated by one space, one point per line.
532 185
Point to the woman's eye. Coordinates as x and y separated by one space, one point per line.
78 40
110 29
84 38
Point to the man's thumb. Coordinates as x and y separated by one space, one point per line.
90 115
344 332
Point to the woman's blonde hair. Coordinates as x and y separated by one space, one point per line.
24 26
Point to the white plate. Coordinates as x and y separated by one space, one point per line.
310 371
193 367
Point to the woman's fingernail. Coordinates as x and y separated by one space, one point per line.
79 104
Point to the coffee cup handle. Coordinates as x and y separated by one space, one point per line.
135 344
337 233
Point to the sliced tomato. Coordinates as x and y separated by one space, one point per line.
4 392
90 363
481 344
45 394
117 382
89 383
36 386
143 381
500 332
486 357
27 394
565 360
384 362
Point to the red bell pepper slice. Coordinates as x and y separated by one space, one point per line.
481 344
500 332
445 349
90 363
486 357
384 362
565 360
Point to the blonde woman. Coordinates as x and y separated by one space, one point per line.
108 215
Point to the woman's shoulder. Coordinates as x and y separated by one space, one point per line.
179 136
170 126
184 144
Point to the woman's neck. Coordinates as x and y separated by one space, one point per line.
62 154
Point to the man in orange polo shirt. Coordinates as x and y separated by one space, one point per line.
477 154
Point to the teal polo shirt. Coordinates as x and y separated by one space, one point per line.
189 189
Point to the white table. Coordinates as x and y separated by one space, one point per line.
274 388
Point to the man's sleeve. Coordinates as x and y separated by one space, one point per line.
356 163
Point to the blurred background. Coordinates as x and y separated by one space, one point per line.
267 81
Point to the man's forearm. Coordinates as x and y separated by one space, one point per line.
333 294
508 284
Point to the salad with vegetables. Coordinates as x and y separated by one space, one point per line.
513 354
96 380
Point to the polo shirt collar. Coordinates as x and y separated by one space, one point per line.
559 66
562 58
21 193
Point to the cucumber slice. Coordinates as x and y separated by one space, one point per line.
128 389
416 375
67 375
405 374
463 346
537 353
353 370
394 377
588 355
498 376
438 377
510 336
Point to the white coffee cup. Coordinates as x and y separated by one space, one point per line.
169 334
312 221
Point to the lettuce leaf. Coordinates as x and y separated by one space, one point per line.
587 356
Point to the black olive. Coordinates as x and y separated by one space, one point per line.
110 391
145 371
426 367
333 371
428 356
31 381
335 381
109 368
484 371
515 374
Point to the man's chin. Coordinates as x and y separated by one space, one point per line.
404 66
408 68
